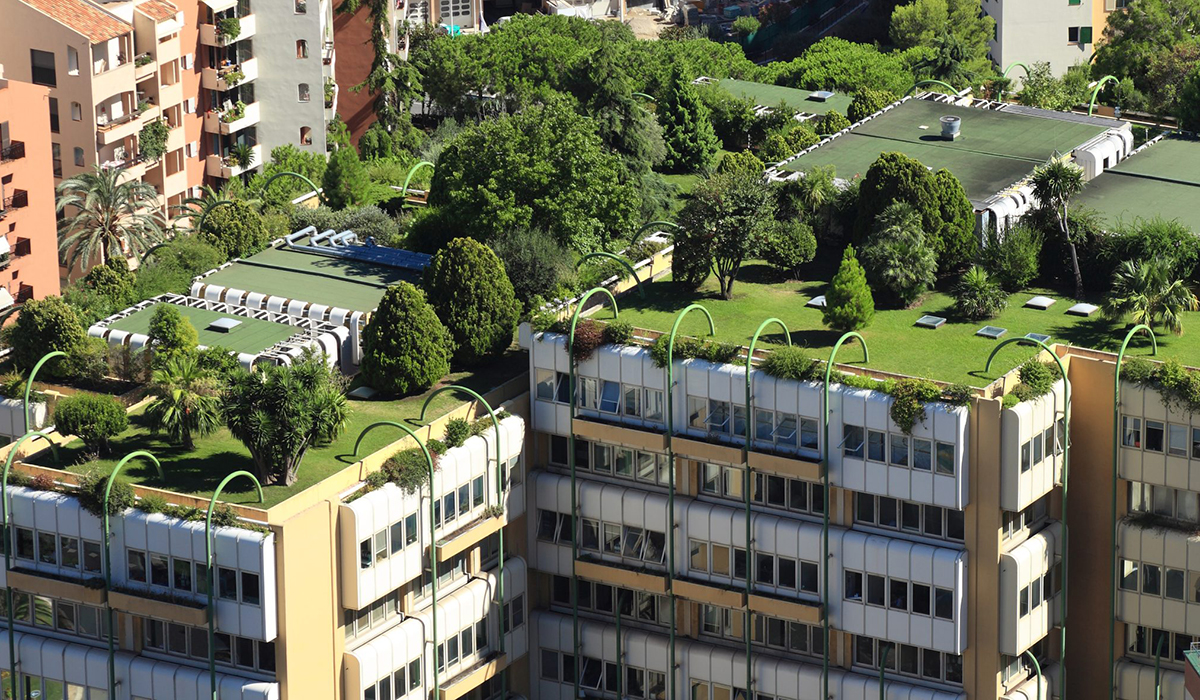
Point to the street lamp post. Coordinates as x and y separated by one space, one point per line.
29 382
1098 85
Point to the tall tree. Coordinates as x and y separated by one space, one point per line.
1154 42
280 411
605 93
896 258
345 182
185 399
687 129
105 212
1054 184
949 61
724 216
925 23
474 299
1189 101
1148 292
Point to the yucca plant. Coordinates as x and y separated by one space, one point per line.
241 155
978 296
186 399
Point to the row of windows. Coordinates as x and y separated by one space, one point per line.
375 615
766 489
908 660
1143 641
610 600
58 550
1040 590
769 570
789 636
463 645
396 684
390 540
899 594
1014 523
1164 500
58 615
37 687
610 538
602 395
1158 580
1170 438
603 676
187 576
897 449
1042 446
192 642
648 467
906 516
471 495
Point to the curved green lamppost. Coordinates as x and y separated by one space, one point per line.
499 500
433 578
920 83
1037 668
712 330
1158 667
571 464
203 215
1066 478
1116 447
747 480
289 173
4 515
882 667
211 577
29 382
1096 92
650 224
644 96
411 173
112 649
624 263
1012 65
825 457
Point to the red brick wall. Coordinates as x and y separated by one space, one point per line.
352 36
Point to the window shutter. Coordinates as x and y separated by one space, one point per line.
1085 35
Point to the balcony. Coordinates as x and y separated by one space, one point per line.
115 130
209 35
167 50
327 54
15 150
216 166
143 65
232 120
620 575
55 586
186 613
230 76
19 199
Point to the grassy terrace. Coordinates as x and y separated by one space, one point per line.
198 472
952 353
251 335
772 95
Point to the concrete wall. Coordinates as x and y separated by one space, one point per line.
278 28
1035 30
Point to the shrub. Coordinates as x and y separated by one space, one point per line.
472 296
1038 376
958 394
92 485
867 102
745 25
408 469
792 362
896 258
371 222
687 128
405 347
93 418
535 262
457 432
787 245
44 325
1179 387
170 331
1012 258
618 332
113 282
720 353
691 261
152 140
88 361
832 122
909 397
43 482
235 229
588 336
978 296
848 303
741 163
345 182
220 362
152 503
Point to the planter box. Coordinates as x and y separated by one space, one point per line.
618 576
149 607
33 582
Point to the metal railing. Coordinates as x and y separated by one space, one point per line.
17 200
15 150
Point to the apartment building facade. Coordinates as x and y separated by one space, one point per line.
28 245
1062 33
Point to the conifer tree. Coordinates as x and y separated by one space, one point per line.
848 303
687 129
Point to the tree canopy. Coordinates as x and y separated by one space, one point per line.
941 24
1156 43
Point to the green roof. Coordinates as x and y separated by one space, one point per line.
252 335
1163 180
311 277
772 95
995 150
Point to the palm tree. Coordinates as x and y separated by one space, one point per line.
1147 291
186 402
948 61
111 212
1054 184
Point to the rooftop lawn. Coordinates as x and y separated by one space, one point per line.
995 150
1163 180
198 472
310 277
772 95
952 353
251 335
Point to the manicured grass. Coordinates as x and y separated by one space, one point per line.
251 335
198 472
952 353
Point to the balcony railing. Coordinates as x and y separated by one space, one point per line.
327 53
17 200
15 150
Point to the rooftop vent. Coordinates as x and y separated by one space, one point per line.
224 325
951 128
821 95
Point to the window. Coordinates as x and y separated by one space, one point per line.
72 61
160 570
922 454
302 89
47 545
876 447
852 441
76 111
1177 440
1072 35
302 8
79 157
69 551
1154 436
899 450
1131 433
301 48
54 115
943 603
875 589
56 159
945 458
42 65
653 406
854 586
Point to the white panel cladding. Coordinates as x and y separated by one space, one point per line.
1029 690
1140 461
468 604
1136 682
784 678
234 548
142 676
1023 478
1165 549
908 561
1020 567
379 510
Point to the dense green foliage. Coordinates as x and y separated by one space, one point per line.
536 263
113 282
170 332
1155 43
1148 292
867 102
848 303
93 418
723 217
897 260
152 140
472 296
345 180
833 122
1178 385
457 432
173 266
786 245
92 486
978 295
1042 88
792 362
691 143
287 158
405 347
1189 101
101 211
1012 257
185 399
844 66
236 229
740 164
43 326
